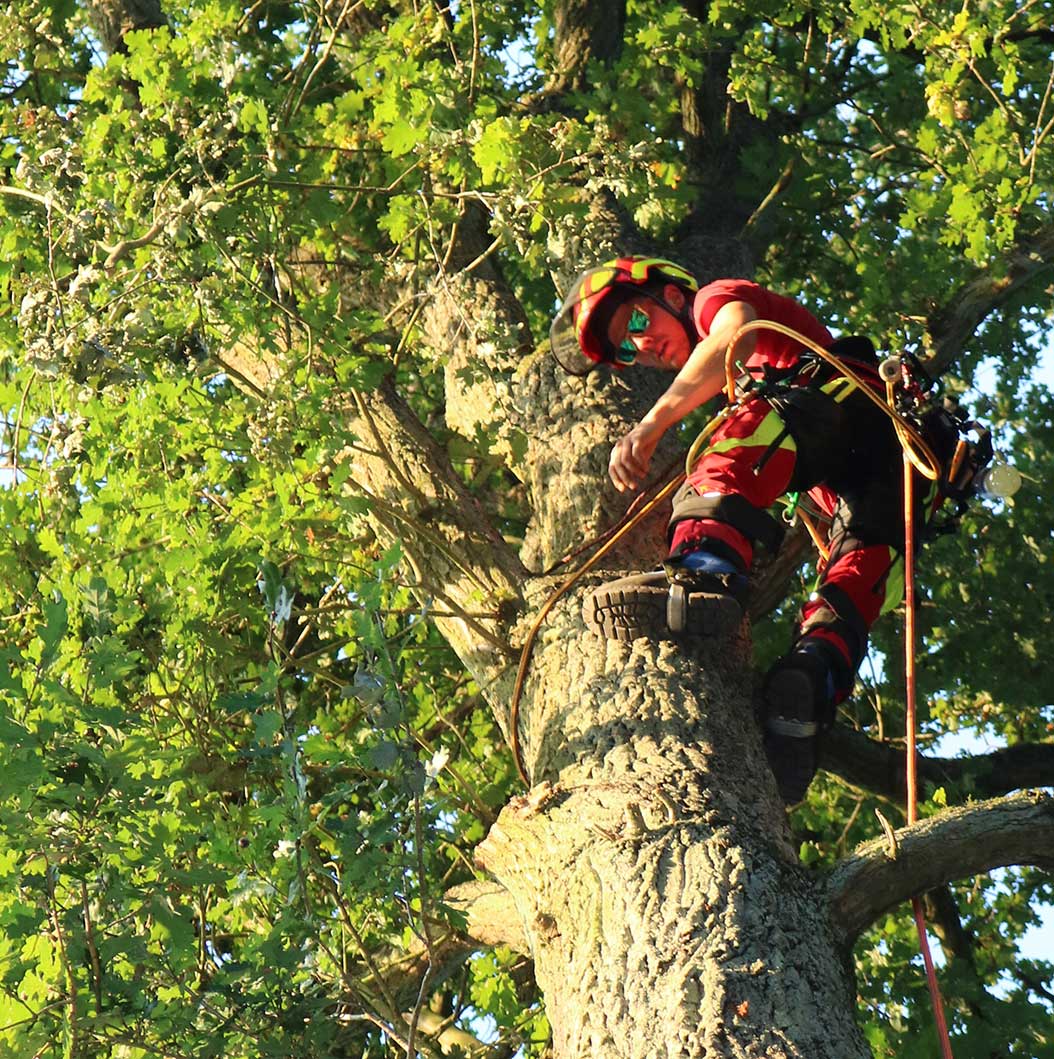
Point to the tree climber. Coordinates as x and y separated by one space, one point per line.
800 428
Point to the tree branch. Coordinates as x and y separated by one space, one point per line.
418 498
881 768
112 19
490 913
952 325
955 844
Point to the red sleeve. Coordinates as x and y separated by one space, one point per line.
710 299
771 347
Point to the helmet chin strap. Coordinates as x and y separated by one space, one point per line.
683 315
688 323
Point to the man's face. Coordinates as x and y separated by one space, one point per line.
654 333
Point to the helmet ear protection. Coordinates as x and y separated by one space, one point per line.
579 332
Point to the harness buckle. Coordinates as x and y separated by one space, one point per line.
676 608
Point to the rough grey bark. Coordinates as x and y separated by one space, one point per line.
652 868
959 842
112 19
493 385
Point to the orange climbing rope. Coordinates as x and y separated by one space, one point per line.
910 726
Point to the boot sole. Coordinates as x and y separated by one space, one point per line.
790 743
628 609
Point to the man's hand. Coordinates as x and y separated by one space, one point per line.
631 457
701 378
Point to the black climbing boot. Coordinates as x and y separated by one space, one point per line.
686 598
799 702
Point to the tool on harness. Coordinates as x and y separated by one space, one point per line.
1000 481
963 445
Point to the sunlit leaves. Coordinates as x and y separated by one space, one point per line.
224 715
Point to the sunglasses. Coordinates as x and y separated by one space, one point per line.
638 324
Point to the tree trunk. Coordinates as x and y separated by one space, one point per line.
652 865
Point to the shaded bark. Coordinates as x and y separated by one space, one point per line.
112 19
585 32
881 768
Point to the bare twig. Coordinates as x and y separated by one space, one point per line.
93 950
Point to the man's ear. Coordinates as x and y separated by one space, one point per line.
673 296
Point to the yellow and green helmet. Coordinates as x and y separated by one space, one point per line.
579 332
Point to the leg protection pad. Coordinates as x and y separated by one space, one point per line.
752 522
835 624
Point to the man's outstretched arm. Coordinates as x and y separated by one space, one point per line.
701 378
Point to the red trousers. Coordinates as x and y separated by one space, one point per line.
845 456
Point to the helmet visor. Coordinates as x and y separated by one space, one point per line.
563 340
578 335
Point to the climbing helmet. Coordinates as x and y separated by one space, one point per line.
579 332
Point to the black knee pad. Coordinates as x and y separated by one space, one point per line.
731 509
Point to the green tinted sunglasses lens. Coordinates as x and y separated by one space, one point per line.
638 324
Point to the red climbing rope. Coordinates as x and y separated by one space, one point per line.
910 723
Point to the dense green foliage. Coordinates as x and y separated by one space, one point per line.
239 764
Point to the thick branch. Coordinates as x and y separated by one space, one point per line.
953 845
491 919
881 768
112 19
457 554
952 326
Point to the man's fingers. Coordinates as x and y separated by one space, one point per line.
625 467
